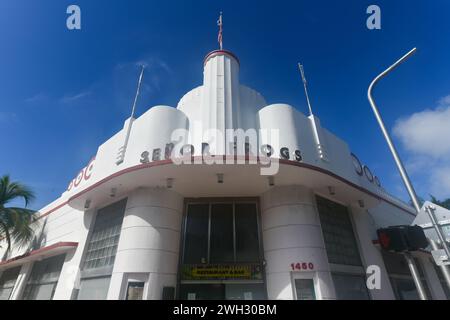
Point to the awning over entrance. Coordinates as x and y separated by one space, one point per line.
52 250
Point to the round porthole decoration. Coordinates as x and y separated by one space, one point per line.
78 178
70 185
368 173
357 164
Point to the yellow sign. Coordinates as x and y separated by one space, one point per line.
221 271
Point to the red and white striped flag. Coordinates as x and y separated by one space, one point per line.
219 37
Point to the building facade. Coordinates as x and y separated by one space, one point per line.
222 197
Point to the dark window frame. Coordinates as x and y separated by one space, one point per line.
213 201
9 274
104 271
34 281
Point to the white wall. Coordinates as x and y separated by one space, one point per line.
149 241
292 233
370 254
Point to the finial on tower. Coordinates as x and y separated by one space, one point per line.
219 37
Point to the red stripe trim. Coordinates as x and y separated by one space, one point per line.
54 209
218 53
40 251
304 165
282 161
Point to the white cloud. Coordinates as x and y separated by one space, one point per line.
440 181
75 97
7 117
426 133
445 101
425 136
63 99
39 97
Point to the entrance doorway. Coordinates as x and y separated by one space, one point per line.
221 256
223 291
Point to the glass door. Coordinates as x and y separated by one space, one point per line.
202 292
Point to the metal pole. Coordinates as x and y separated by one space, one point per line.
302 72
399 163
401 168
415 275
320 149
123 149
430 211
444 269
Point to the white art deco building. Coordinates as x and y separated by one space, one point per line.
148 227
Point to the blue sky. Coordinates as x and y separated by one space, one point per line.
62 93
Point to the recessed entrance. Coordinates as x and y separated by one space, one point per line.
223 291
221 251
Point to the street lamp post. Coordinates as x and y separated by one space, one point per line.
409 259
444 269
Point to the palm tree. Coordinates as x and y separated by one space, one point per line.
444 203
15 223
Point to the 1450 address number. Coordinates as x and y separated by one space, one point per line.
302 266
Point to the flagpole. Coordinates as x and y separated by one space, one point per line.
220 35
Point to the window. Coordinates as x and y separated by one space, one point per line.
196 243
340 241
221 233
304 289
101 252
342 251
441 279
135 290
404 288
247 244
350 287
94 288
401 280
103 243
43 279
7 281
221 251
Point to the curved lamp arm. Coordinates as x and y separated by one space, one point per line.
394 152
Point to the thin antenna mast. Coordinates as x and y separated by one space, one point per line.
123 149
305 85
314 121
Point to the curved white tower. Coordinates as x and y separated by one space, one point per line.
221 103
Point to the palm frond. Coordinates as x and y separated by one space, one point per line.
12 190
20 223
4 231
16 224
